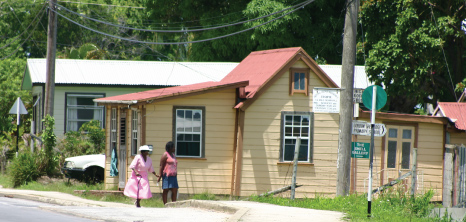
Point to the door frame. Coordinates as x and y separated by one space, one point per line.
384 139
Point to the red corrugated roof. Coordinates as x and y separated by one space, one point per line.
169 92
456 112
259 67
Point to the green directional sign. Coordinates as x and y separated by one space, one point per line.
381 97
360 150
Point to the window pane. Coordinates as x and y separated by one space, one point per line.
297 120
84 101
305 121
392 133
180 137
297 131
406 134
288 131
296 80
303 150
405 155
288 153
188 148
305 132
188 137
288 120
197 137
85 114
391 154
301 81
188 124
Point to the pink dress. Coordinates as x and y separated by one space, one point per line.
132 187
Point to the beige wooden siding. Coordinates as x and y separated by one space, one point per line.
210 174
430 160
261 170
59 111
458 138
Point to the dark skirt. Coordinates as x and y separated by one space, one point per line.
169 182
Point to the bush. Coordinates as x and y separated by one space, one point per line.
24 169
90 139
49 158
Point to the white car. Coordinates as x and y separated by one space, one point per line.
89 168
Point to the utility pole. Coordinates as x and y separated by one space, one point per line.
50 61
346 98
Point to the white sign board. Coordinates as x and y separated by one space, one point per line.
326 100
363 128
357 95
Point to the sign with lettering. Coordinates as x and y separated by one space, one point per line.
357 95
363 128
360 150
326 100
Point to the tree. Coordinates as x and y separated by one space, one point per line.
415 49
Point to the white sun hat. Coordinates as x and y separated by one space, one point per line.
145 148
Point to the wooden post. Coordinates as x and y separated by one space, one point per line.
32 134
448 176
414 175
295 167
50 60
346 98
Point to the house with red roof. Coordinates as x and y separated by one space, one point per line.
237 136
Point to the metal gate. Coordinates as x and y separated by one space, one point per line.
461 176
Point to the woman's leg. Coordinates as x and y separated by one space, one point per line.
138 202
164 196
174 193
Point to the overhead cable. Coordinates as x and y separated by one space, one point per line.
185 29
185 42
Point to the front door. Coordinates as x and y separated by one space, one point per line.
398 147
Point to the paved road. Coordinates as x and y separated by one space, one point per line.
182 211
14 210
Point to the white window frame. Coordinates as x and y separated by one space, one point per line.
71 121
113 128
188 128
309 137
135 132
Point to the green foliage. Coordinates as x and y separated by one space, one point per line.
415 49
204 196
11 72
23 169
393 205
90 139
49 141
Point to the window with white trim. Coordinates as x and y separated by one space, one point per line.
80 109
189 131
134 132
297 125
113 129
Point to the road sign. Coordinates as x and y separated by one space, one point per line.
14 109
381 98
326 100
357 95
363 128
360 150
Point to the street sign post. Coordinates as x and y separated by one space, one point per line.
363 128
379 98
18 108
360 150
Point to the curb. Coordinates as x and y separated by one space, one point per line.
237 212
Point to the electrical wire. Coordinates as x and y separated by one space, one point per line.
29 36
443 51
120 6
187 29
11 42
185 42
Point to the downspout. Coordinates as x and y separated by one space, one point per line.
235 143
239 153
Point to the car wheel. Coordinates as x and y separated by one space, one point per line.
94 175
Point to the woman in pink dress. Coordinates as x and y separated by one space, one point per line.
138 185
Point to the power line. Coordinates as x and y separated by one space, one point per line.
185 42
443 51
29 36
120 6
187 29
11 42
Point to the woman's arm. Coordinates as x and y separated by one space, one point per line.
163 161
